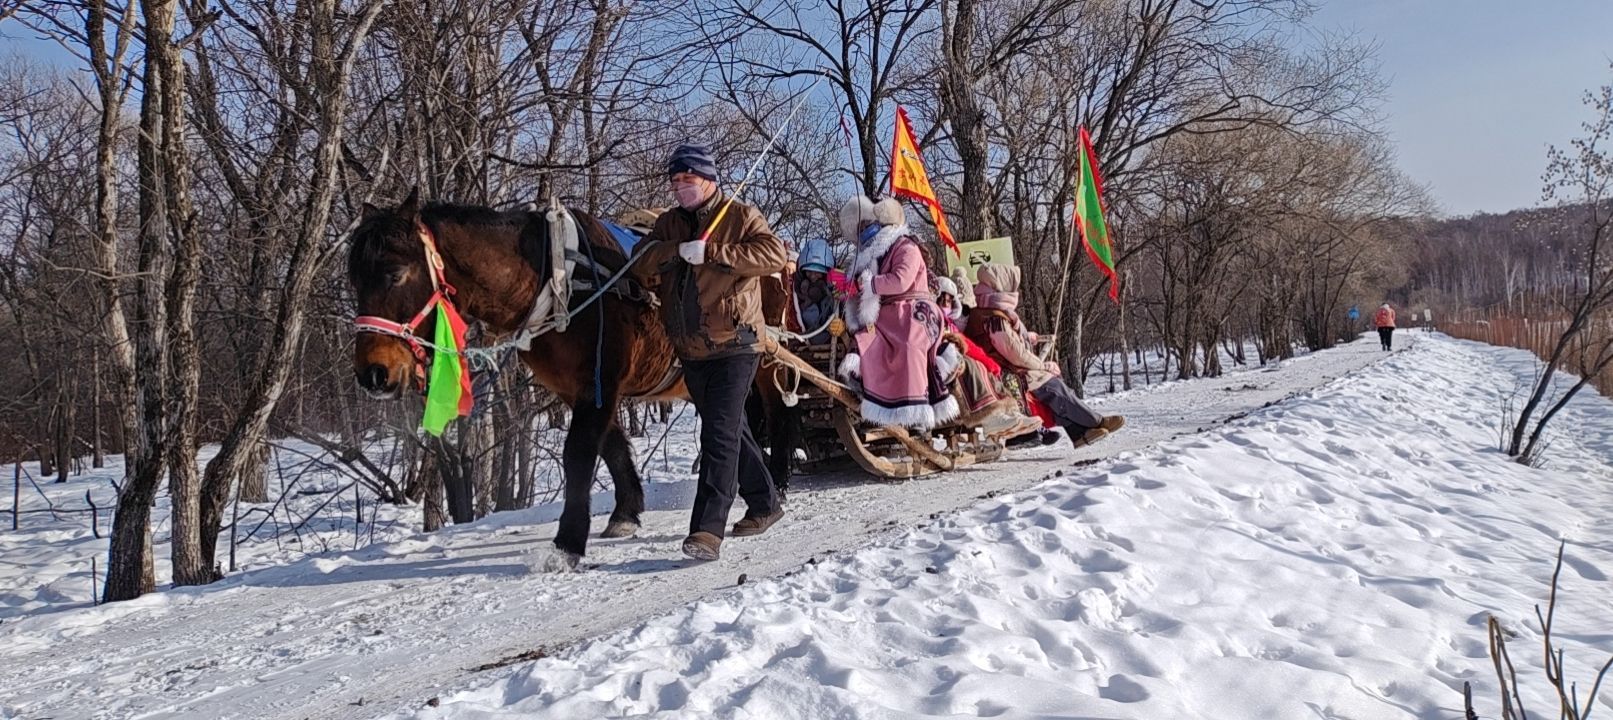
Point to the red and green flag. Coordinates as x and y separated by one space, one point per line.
1089 216
448 393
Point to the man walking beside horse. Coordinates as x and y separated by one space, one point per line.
705 259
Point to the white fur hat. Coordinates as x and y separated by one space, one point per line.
859 210
945 286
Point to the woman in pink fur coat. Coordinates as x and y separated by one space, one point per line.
897 323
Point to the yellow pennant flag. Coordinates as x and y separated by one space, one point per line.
908 179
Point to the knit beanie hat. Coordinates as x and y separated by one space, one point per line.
692 159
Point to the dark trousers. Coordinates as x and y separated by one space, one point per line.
1386 335
730 460
1067 409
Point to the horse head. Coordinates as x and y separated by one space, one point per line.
395 286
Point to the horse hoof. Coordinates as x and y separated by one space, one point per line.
556 560
620 529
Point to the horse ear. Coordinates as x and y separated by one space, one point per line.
411 204
368 211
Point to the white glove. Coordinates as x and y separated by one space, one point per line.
693 252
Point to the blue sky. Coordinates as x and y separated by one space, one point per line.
1478 88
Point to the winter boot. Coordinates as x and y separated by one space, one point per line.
702 546
1112 423
756 524
1081 437
1028 439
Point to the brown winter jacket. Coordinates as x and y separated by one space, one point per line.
712 310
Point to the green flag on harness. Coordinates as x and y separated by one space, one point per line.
448 388
1089 216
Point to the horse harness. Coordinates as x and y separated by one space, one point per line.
551 310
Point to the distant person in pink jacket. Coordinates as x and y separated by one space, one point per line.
1385 320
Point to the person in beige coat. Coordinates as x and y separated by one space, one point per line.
994 324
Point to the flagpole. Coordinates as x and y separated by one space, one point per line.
1064 279
1069 250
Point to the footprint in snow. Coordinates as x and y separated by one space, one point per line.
1123 689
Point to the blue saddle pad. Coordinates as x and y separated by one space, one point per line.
626 237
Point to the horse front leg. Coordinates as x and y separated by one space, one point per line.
618 454
581 455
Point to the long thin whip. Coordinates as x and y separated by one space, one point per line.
723 211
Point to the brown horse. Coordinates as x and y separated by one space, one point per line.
494 261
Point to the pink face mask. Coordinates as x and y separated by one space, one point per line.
690 196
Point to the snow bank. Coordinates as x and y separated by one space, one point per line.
1335 556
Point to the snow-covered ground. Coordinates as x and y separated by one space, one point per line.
47 563
354 633
1335 556
1332 555
52 560
316 507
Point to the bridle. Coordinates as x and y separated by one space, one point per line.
441 293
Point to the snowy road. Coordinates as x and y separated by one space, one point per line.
385 628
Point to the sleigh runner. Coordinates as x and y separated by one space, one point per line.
832 425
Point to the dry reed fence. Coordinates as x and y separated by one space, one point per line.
1537 333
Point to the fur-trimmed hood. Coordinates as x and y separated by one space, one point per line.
859 211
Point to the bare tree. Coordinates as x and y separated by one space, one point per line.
861 49
335 37
1580 177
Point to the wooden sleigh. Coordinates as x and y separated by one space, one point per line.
832 426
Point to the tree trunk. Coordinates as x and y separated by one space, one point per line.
1075 366
129 567
64 440
456 469
960 106
129 564
429 478
330 70
507 438
191 567
636 415
254 475
1543 385
47 459
96 447
1125 337
523 464
506 472
107 66
1604 358
477 463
